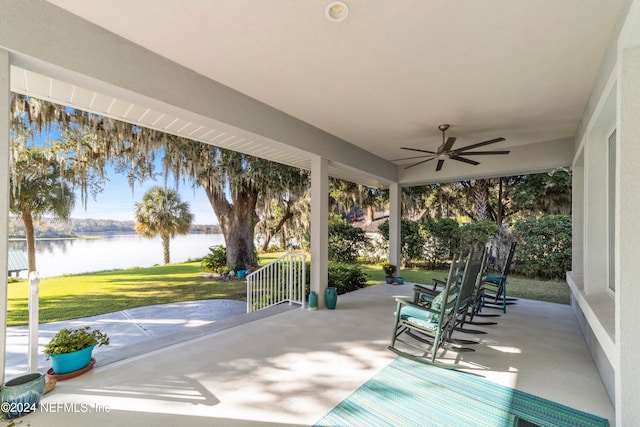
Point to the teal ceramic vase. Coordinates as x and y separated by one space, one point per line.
21 395
313 301
331 298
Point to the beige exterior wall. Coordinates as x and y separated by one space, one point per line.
628 238
609 319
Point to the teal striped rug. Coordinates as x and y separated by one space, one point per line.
408 393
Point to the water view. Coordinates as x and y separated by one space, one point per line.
107 252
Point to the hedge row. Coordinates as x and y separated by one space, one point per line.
543 251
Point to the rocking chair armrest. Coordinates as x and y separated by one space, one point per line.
437 282
490 285
424 290
406 301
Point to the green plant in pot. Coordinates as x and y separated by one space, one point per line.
389 270
70 349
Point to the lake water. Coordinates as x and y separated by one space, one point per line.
107 252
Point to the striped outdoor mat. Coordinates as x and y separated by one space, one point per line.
407 393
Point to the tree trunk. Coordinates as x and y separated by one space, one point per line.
166 252
237 222
272 232
370 215
30 234
267 239
481 196
499 219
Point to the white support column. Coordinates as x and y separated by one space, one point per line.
5 96
319 226
627 371
395 216
578 209
34 320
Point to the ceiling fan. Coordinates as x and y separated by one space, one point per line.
445 151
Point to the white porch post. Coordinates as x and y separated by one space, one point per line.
627 373
395 216
319 226
5 96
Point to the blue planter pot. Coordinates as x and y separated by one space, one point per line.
22 394
242 274
69 362
331 298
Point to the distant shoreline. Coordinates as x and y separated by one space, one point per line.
50 229
92 236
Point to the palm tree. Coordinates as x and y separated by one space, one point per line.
481 198
162 213
38 188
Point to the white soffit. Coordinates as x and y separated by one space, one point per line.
30 83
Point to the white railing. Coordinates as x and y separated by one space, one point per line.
282 280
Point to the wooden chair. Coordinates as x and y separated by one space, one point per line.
496 284
477 300
467 295
429 328
424 294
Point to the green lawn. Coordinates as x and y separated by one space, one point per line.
90 294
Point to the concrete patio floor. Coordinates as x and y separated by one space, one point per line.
293 367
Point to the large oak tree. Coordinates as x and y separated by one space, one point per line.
236 184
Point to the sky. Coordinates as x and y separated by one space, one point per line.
117 202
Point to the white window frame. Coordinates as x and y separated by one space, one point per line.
611 208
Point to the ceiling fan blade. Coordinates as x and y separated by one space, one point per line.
409 158
481 153
440 163
415 149
449 144
480 144
419 163
462 159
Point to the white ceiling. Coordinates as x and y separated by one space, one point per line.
390 73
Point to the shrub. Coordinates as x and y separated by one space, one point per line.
443 240
477 234
544 247
344 277
215 260
414 237
346 242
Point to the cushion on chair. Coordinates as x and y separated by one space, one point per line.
422 318
436 304
427 298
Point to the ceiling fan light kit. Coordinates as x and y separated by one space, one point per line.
446 151
337 11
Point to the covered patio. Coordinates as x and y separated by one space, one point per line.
294 367
286 82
